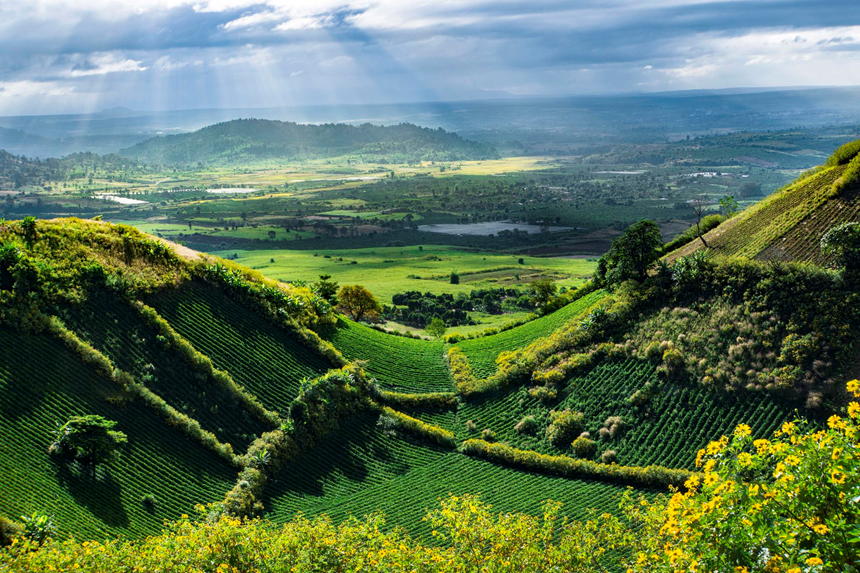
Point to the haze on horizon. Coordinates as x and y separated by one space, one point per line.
63 56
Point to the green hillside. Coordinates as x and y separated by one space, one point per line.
255 140
258 399
789 225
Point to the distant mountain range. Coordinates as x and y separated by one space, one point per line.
255 140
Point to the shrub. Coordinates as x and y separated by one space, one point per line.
614 426
38 527
564 425
149 501
608 457
844 154
488 435
584 447
528 425
471 427
543 393
8 531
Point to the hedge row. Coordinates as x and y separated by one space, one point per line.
104 367
204 365
315 412
648 476
439 400
420 429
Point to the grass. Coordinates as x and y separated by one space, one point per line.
482 352
266 360
398 363
43 383
359 468
389 270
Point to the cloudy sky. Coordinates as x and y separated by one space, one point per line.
59 56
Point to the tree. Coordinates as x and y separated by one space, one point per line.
544 290
455 278
631 254
326 288
272 235
28 227
88 439
843 242
749 189
436 328
359 302
699 206
729 206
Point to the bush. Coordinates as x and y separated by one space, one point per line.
471 427
488 435
614 426
844 154
8 531
564 425
608 457
149 501
543 393
528 425
584 447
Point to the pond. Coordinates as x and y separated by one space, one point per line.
489 228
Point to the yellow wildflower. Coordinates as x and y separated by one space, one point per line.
742 431
854 387
812 561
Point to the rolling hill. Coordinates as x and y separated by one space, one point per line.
789 224
256 140
255 398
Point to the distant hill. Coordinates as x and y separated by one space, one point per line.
248 140
789 224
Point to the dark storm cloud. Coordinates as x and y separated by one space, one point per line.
291 47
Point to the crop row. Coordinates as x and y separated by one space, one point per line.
115 329
666 426
766 222
376 472
802 242
36 394
266 360
482 352
397 363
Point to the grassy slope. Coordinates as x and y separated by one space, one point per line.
42 383
115 329
482 352
359 469
266 360
668 430
794 219
397 363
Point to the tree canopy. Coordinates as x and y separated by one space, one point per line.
358 302
88 439
631 254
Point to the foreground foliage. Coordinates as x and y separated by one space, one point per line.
786 504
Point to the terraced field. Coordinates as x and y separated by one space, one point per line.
482 352
667 429
802 243
361 468
397 363
762 225
115 329
36 393
263 358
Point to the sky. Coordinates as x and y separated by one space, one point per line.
78 56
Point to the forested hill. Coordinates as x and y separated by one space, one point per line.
246 140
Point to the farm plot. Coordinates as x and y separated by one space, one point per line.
667 427
803 242
266 360
43 383
398 363
762 225
115 329
355 476
482 352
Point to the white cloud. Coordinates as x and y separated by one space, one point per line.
100 64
